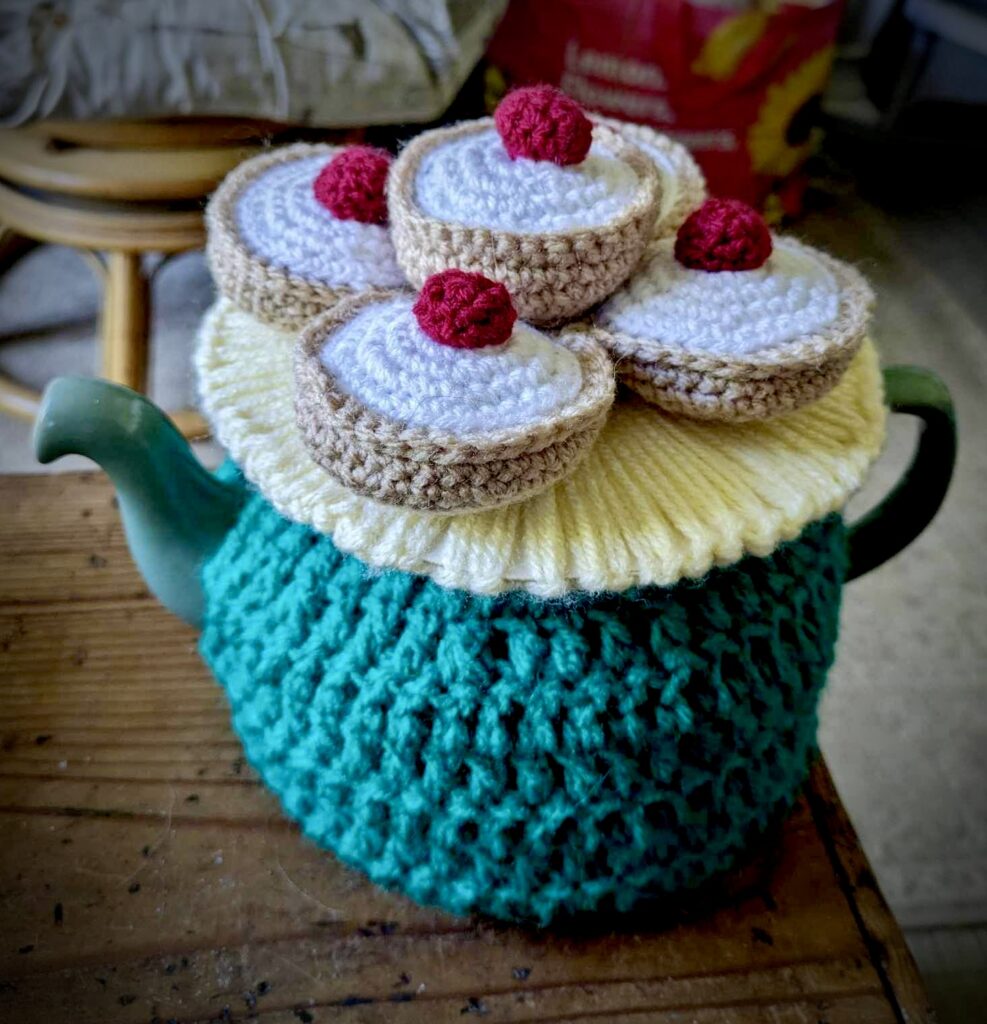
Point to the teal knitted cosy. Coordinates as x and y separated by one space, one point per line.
523 758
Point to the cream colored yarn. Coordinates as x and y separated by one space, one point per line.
683 185
434 470
656 499
552 276
756 385
269 292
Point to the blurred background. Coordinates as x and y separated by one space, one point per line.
861 126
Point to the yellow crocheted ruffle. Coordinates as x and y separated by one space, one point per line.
658 497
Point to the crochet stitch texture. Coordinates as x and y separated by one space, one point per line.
352 185
441 470
469 179
465 310
552 274
793 296
723 234
683 186
541 123
276 252
738 385
384 358
512 756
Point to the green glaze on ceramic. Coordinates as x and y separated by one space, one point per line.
175 513
913 503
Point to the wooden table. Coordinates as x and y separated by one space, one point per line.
145 876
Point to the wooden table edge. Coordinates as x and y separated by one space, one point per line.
888 951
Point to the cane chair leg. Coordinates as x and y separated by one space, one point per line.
125 322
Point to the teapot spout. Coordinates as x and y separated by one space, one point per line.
175 513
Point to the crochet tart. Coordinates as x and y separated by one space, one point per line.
292 231
725 322
683 186
446 403
559 218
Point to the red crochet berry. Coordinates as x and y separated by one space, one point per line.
723 234
351 185
464 310
542 123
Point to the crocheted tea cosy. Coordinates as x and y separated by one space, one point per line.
523 758
501 637
658 497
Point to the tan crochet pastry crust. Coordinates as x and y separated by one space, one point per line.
431 470
270 293
760 384
552 276
683 183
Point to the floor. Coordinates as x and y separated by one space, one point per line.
904 721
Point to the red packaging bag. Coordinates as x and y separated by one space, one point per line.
737 81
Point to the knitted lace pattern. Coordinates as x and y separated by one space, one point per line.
288 292
437 470
518 757
552 275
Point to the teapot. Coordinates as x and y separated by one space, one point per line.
521 756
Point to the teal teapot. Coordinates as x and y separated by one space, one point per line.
522 757
523 577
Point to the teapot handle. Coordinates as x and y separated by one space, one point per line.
915 499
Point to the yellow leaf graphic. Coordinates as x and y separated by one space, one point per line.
727 44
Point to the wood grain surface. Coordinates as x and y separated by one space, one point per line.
146 876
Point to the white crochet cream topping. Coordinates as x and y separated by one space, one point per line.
280 221
383 358
472 181
725 312
669 164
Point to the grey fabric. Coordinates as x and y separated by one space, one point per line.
332 64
